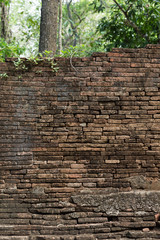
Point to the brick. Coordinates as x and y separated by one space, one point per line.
112 161
79 133
77 166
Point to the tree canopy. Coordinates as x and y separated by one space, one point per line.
129 23
83 26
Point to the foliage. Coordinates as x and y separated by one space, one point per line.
74 15
3 75
79 29
88 26
49 59
9 49
82 50
24 64
20 64
25 24
132 24
6 2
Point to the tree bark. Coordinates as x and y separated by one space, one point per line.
48 26
60 28
4 21
73 26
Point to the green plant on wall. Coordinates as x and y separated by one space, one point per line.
3 75
9 50
24 64
39 72
20 64
46 56
53 66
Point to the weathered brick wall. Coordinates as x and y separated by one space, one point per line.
80 148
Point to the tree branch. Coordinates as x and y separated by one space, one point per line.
69 13
132 24
74 28
67 39
129 7
79 16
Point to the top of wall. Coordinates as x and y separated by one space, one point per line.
150 48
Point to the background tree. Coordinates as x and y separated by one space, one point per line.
4 9
48 26
84 26
26 25
60 28
74 15
79 28
8 47
129 23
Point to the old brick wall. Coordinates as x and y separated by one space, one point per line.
80 148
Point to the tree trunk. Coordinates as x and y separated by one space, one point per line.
60 28
73 25
48 26
4 21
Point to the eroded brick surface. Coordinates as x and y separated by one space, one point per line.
75 143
